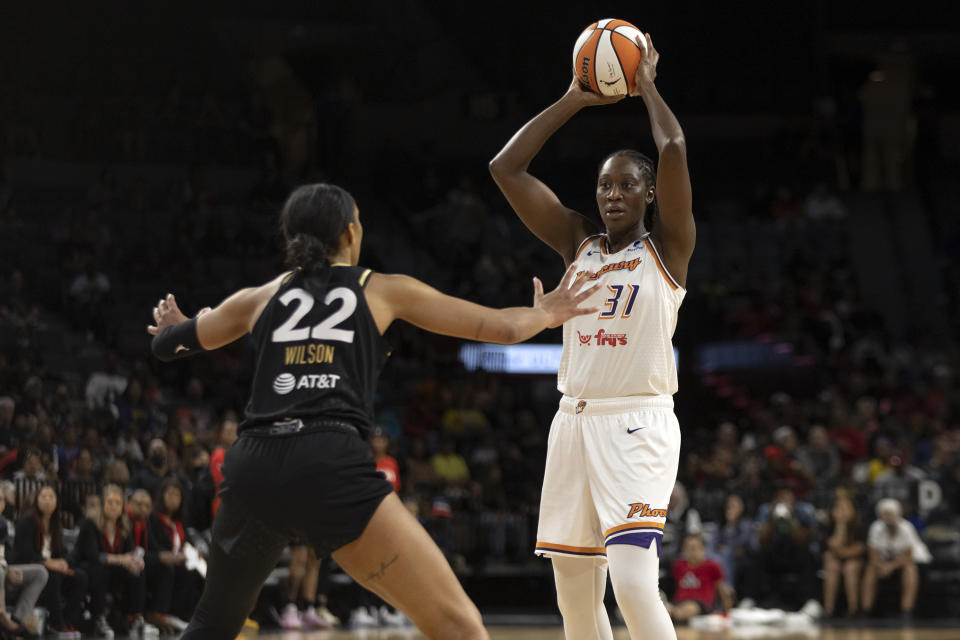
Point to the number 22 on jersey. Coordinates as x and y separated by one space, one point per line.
324 330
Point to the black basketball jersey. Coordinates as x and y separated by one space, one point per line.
319 353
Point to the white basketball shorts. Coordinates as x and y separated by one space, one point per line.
611 467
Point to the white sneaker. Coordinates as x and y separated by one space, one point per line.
327 615
361 618
175 622
392 618
150 632
102 629
311 620
290 619
813 609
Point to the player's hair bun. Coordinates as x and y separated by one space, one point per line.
305 252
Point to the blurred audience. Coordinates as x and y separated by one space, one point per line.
894 549
843 556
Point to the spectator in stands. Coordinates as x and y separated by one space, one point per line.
39 540
420 474
682 520
155 471
449 466
135 414
899 481
843 556
699 583
31 469
821 462
88 290
893 547
733 540
226 437
786 564
139 507
69 448
307 588
105 385
7 408
117 473
105 551
83 470
27 580
386 464
173 591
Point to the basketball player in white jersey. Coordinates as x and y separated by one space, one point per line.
614 445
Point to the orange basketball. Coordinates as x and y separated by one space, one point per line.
606 57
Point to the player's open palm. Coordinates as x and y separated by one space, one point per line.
563 303
168 314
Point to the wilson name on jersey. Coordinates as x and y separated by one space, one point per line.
626 348
318 350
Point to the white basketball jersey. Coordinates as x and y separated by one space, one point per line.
625 349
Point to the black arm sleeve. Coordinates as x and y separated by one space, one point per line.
177 341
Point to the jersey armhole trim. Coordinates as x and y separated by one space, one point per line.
656 258
364 276
584 243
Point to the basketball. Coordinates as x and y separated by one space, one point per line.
606 57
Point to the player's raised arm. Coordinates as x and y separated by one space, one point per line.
177 336
402 297
675 230
537 205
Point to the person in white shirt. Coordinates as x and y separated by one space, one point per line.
893 546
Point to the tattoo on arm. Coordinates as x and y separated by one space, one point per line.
379 573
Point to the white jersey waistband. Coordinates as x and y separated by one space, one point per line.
606 406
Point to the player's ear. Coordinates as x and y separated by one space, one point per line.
651 194
349 236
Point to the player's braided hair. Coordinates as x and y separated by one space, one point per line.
649 172
313 219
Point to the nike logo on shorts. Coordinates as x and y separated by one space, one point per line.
635 430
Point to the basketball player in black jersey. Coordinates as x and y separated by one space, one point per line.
317 330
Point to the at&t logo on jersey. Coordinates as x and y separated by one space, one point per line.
286 382
602 338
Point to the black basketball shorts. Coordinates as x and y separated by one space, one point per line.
321 487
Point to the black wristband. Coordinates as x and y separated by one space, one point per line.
176 341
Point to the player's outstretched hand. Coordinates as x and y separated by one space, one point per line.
168 314
563 303
647 69
586 98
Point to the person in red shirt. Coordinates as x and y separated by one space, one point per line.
699 580
228 435
386 464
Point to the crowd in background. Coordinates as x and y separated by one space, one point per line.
820 469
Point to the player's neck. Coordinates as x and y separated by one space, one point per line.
620 240
340 257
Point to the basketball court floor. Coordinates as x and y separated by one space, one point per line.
555 633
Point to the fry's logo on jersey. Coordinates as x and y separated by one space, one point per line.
286 382
613 266
643 510
602 338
